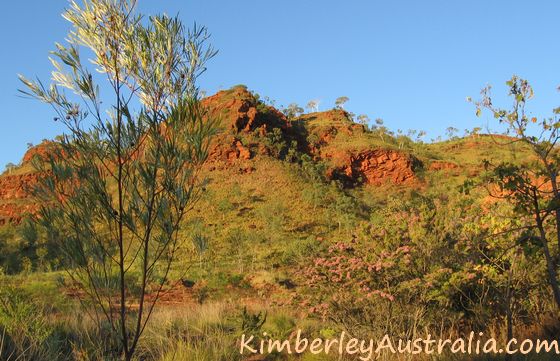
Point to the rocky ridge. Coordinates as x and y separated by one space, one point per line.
248 129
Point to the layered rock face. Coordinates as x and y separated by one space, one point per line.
351 154
15 190
242 120
379 166
13 187
238 110
441 165
13 213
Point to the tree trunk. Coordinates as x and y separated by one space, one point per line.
509 310
550 264
556 212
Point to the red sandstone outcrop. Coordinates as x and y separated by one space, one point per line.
41 150
238 110
442 165
240 113
17 186
14 212
15 197
351 153
230 149
375 166
16 189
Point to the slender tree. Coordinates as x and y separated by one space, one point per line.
10 167
119 182
380 129
533 186
363 119
475 132
313 105
451 132
293 110
340 101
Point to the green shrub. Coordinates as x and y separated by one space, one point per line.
24 328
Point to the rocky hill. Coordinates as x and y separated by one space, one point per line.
253 132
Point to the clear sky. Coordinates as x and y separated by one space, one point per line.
410 62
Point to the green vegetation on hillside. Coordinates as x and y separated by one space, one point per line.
282 221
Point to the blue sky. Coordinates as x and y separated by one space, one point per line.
410 62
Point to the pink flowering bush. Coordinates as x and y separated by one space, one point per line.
419 264
346 282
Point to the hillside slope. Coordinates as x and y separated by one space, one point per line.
279 187
297 213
